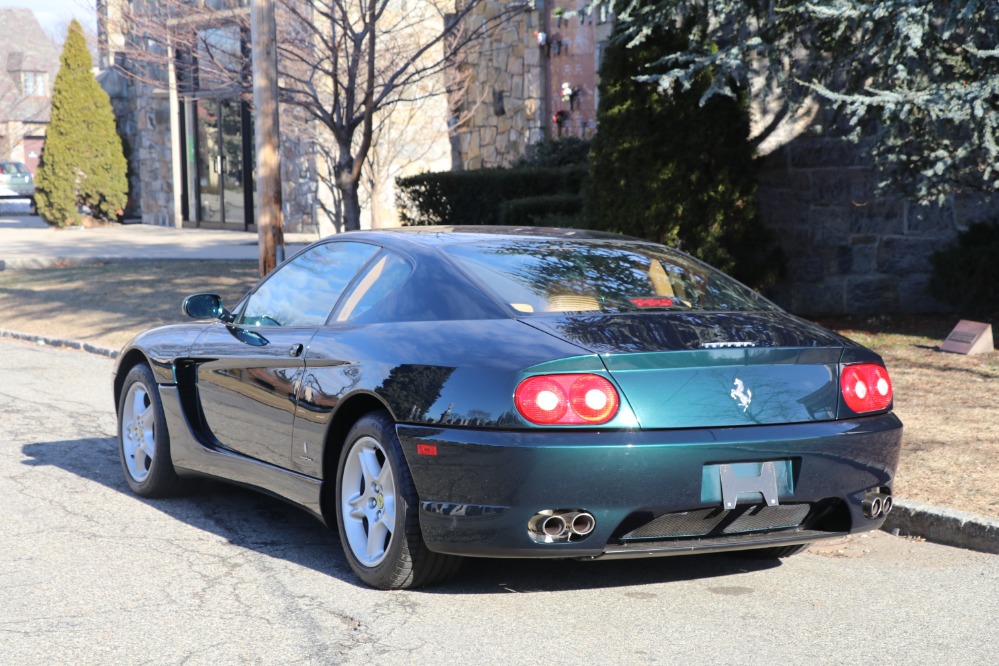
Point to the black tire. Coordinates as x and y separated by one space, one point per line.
774 553
145 456
400 558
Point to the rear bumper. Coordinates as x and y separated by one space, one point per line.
482 487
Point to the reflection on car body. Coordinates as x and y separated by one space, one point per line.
434 393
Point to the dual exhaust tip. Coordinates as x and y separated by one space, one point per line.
560 525
877 504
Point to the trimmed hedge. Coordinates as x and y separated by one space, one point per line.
555 210
476 197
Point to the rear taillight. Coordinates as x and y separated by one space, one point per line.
866 387
567 400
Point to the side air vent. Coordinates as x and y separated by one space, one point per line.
726 345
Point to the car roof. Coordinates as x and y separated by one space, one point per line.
453 235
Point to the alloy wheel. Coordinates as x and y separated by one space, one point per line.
368 501
138 432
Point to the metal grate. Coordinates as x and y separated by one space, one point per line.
702 522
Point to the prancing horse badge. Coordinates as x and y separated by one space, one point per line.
743 395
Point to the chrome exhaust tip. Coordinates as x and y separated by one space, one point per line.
560 525
553 526
877 504
547 524
581 523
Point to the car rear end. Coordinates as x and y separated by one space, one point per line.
704 418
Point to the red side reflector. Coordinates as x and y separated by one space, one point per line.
426 449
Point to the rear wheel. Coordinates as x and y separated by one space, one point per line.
143 440
378 511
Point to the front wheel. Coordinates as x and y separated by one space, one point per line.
143 439
378 511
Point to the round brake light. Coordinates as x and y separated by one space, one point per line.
866 387
541 400
593 398
567 400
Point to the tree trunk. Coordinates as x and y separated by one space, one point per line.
351 204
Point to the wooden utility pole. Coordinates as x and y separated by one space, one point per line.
270 222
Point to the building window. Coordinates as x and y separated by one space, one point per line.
35 84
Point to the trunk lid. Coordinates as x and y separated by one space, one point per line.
695 369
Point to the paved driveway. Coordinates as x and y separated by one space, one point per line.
92 574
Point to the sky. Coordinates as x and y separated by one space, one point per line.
55 15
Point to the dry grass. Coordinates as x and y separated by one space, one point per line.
949 406
947 401
107 304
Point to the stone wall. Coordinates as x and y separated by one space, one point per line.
850 249
517 80
503 105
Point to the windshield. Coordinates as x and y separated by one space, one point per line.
538 276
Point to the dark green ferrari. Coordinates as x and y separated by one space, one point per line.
434 393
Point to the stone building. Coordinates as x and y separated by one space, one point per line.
28 66
185 114
534 78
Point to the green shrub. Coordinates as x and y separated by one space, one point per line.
965 274
668 169
82 163
554 210
564 151
475 197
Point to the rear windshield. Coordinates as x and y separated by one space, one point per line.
538 276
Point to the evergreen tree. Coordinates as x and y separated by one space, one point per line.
919 79
82 163
666 169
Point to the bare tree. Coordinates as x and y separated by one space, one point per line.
345 63
355 59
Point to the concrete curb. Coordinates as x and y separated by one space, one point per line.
58 342
909 517
942 525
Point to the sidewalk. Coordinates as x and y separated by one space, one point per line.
26 241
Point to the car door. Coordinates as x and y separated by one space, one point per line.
252 370
332 368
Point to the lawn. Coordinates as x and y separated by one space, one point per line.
947 401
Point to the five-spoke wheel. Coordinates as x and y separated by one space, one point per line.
138 432
367 501
377 511
143 440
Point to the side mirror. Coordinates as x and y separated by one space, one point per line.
206 306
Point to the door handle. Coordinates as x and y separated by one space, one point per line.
295 350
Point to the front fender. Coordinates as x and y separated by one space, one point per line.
159 348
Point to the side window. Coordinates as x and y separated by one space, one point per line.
385 274
304 291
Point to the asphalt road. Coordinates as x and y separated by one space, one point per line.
92 574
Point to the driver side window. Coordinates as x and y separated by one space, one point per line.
304 291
